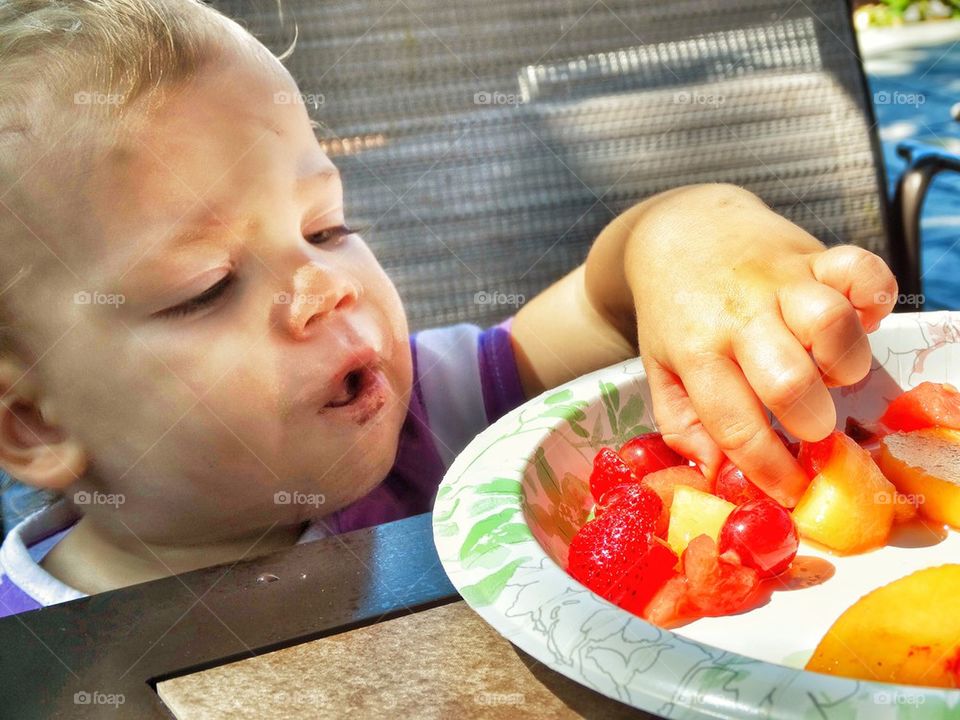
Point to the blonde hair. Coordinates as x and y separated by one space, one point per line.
63 57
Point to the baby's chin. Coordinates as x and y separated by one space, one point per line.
357 480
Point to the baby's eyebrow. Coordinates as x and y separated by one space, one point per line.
316 181
207 222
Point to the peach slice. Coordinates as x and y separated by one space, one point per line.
848 506
925 466
899 633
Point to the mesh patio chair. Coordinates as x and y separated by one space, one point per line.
486 144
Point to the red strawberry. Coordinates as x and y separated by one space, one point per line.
618 557
609 470
605 548
645 577
636 499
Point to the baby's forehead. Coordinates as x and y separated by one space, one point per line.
187 144
197 144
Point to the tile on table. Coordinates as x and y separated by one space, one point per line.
438 663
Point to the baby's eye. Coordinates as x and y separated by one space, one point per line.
325 236
207 297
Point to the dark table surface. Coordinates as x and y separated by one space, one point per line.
123 642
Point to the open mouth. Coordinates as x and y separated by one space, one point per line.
353 385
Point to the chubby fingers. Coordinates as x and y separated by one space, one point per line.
731 412
784 377
677 421
860 276
827 324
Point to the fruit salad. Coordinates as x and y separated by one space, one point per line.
670 545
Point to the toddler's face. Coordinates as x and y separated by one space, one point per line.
259 358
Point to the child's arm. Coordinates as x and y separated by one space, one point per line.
733 308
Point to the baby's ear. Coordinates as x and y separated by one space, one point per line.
31 449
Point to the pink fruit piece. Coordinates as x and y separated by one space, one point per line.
609 470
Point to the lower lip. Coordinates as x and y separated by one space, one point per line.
368 403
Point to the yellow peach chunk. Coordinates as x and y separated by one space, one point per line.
899 633
848 506
694 512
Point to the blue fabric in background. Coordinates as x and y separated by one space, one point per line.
913 89
17 502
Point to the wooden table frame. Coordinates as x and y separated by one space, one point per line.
123 642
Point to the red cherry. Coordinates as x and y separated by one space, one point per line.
732 485
762 534
609 470
815 455
648 453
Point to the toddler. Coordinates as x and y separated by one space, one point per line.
203 361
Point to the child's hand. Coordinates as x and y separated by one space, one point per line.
737 309
732 307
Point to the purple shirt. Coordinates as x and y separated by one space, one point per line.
464 379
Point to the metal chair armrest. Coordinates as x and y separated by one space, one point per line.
924 161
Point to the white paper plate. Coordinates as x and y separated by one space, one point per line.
512 500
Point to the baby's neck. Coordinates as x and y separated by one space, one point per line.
92 561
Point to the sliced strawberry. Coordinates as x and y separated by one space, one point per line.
664 481
717 584
609 470
636 499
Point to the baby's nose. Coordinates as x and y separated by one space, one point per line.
317 291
